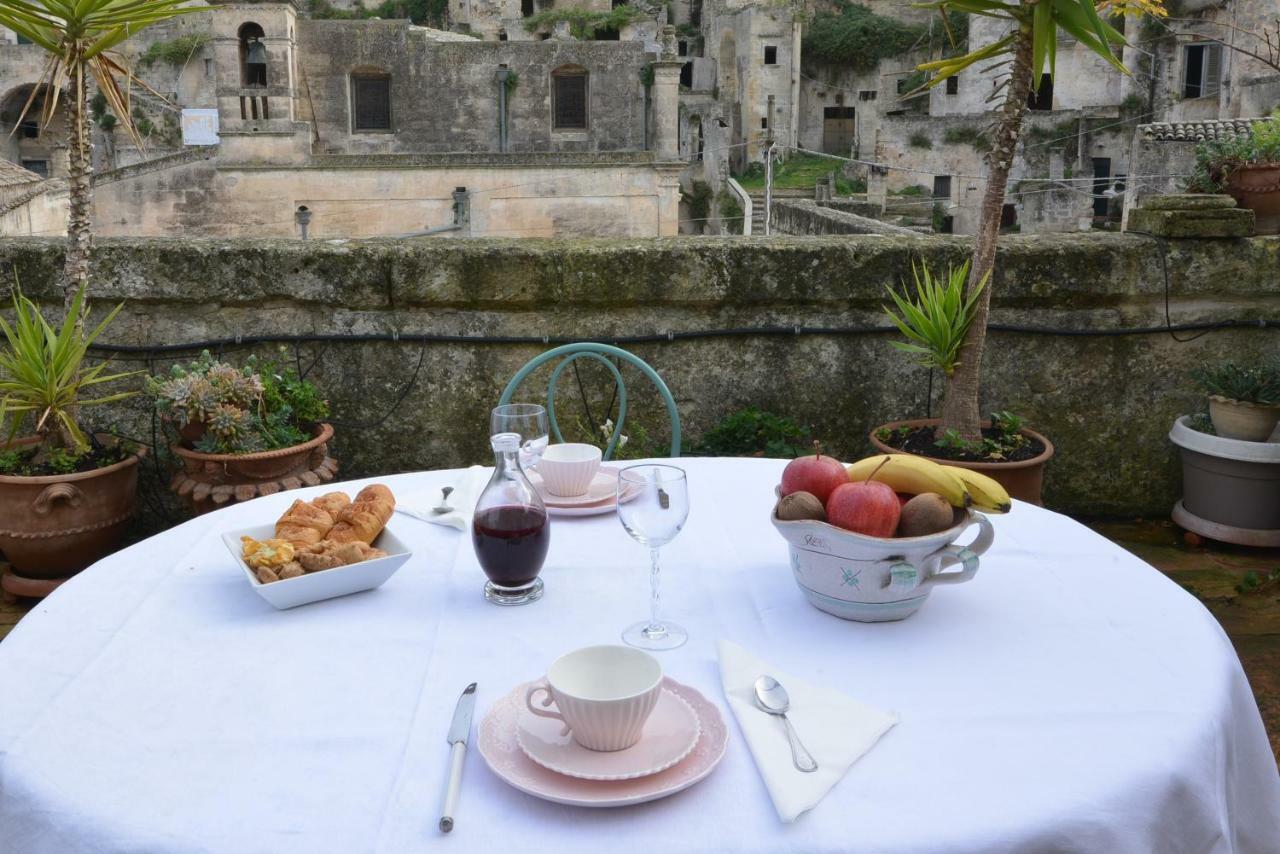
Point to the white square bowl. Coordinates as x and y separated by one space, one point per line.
327 583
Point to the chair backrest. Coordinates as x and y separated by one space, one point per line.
602 353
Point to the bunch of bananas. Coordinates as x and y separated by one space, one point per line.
916 475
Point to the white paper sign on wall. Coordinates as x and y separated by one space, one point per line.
199 127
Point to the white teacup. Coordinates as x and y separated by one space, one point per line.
604 695
567 469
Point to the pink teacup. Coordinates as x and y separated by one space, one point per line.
604 695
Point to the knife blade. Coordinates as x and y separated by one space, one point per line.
459 731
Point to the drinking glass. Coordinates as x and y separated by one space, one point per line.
653 518
527 419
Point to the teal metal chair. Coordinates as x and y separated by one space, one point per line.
604 354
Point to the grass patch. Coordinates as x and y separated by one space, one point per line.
920 140
174 51
799 172
967 135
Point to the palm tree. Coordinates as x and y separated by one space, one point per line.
79 36
1029 49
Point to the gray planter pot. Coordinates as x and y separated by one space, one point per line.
1230 488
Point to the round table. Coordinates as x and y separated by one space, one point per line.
1069 698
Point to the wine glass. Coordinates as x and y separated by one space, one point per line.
653 518
527 419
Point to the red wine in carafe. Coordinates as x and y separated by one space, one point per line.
511 543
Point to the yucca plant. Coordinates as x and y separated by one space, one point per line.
44 379
1027 50
79 36
937 317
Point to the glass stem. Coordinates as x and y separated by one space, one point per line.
655 626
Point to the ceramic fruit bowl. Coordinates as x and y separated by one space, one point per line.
878 579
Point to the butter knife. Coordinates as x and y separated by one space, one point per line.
459 731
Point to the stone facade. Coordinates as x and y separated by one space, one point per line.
1106 402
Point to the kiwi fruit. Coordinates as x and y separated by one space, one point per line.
927 513
801 505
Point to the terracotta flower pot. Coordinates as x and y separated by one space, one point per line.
1238 419
208 481
1023 479
52 527
1257 186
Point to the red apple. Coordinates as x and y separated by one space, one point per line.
869 507
817 474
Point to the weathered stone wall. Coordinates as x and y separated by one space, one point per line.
444 95
1107 402
805 216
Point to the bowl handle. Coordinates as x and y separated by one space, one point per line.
903 577
965 556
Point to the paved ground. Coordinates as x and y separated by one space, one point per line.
1219 575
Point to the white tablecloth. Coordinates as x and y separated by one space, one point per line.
1070 698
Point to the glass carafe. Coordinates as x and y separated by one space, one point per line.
510 528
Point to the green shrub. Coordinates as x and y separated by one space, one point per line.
967 135
585 23
174 51
858 38
731 211
1216 160
753 432
920 140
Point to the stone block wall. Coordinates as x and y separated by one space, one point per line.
804 216
1106 401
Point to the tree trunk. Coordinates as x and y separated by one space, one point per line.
75 271
960 404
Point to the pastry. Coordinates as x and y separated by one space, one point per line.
304 524
332 503
268 554
365 518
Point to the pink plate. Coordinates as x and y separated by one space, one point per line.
600 497
496 739
670 734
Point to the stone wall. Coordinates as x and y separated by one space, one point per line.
467 118
804 216
1107 402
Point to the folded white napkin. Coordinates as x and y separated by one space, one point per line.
466 491
836 730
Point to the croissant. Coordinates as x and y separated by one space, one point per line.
332 502
303 524
365 518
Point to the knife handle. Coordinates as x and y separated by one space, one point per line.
455 783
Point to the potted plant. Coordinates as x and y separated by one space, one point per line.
1244 401
936 321
1248 169
1026 54
242 432
1230 485
65 495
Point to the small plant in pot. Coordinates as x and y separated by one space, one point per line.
936 321
1244 400
242 432
1247 167
66 495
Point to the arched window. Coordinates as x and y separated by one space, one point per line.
370 100
253 55
569 98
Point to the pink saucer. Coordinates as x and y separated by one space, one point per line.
498 744
602 493
670 734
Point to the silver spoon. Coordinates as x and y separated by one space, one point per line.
443 506
772 698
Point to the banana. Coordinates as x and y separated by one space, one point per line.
914 475
986 493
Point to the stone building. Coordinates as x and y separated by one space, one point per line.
371 127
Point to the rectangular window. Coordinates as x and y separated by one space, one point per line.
770 55
1202 70
569 102
682 49
23 39
40 167
942 186
30 128
867 95
953 85
371 103
764 123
